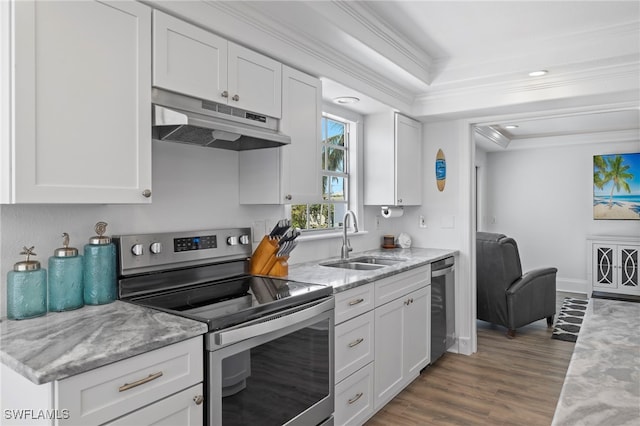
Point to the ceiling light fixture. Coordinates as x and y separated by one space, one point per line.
511 126
538 73
346 100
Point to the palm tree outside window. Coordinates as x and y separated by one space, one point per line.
334 165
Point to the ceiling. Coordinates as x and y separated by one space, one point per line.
476 42
438 60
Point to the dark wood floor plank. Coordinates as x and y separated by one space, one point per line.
507 382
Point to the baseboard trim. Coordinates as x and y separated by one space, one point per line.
572 285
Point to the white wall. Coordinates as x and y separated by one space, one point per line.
543 198
448 215
193 188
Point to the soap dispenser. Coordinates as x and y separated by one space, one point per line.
26 288
66 291
99 270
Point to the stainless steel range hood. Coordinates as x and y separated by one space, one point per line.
183 119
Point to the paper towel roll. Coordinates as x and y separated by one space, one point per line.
390 212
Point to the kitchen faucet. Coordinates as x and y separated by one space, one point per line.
346 248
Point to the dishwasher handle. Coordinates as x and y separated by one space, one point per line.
442 272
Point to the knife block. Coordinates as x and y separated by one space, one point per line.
264 255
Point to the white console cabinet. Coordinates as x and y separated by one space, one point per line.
613 264
163 386
75 96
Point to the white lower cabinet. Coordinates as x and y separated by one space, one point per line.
178 409
160 387
402 343
354 397
382 341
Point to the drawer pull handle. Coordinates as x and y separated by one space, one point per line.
355 398
147 379
198 399
356 301
356 342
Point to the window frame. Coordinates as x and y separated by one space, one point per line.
354 172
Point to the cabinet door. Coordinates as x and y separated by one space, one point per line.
604 266
289 174
628 267
408 161
254 81
417 328
389 351
188 59
184 408
82 91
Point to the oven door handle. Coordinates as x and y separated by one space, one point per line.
271 323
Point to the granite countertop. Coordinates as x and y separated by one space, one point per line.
602 385
345 279
62 344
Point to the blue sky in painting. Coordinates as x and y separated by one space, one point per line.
632 160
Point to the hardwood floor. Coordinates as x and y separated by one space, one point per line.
507 382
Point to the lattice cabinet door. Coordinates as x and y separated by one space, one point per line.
604 266
628 267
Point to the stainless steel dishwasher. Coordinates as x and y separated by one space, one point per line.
442 306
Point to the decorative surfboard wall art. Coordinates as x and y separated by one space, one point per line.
441 170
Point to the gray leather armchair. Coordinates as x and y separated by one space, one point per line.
506 296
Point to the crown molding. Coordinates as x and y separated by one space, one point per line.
616 136
299 46
360 21
604 80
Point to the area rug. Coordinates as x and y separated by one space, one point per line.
567 325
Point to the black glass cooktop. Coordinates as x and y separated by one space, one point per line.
225 303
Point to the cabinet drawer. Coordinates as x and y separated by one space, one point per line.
390 288
353 345
116 389
354 398
354 302
178 409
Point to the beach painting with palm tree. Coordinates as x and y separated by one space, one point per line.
616 186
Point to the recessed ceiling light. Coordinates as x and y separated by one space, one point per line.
346 100
538 73
511 126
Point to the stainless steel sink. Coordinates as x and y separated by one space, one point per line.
364 263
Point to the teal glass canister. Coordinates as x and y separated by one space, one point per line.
66 291
26 288
99 268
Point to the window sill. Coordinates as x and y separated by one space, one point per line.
328 235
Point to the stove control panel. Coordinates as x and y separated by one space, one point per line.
155 252
195 243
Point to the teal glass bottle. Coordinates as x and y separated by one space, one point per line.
99 268
66 291
26 289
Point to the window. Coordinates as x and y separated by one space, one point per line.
334 166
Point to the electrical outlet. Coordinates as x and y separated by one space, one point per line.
422 222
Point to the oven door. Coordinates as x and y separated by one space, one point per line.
274 371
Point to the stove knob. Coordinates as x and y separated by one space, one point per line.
244 239
137 250
155 248
232 241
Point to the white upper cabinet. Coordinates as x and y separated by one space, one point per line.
289 174
393 160
76 96
188 59
195 62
